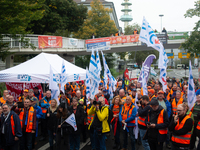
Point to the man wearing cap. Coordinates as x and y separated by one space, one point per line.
151 94
3 98
133 94
157 122
37 94
23 97
167 106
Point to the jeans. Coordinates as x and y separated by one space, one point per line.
74 141
92 139
132 136
117 136
51 137
145 143
100 140
26 141
167 139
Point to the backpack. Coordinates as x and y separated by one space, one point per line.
110 115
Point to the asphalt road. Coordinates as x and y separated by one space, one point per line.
179 73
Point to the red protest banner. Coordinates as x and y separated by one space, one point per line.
50 42
15 89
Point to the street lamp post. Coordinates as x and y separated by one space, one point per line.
161 21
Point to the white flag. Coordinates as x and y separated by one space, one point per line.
63 77
88 85
53 84
144 83
191 90
72 121
162 78
148 36
98 62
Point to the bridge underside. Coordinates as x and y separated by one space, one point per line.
114 48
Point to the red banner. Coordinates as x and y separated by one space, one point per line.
124 39
50 42
15 89
126 74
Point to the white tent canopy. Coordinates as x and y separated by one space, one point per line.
37 70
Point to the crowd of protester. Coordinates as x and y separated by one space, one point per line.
163 117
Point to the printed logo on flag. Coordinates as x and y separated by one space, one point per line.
24 77
76 77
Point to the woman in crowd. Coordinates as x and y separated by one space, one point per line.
115 107
62 127
52 121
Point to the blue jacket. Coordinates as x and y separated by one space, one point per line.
39 115
134 111
44 105
8 130
169 108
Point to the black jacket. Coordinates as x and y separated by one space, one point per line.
153 133
79 115
142 112
65 127
51 120
186 128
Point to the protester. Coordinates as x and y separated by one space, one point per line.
45 103
74 136
115 107
24 96
63 99
157 122
62 127
122 95
3 98
176 101
151 94
144 107
181 126
52 121
127 118
10 129
37 93
28 124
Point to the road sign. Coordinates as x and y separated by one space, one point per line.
170 55
183 55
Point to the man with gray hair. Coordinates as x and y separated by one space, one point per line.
99 122
127 118
176 101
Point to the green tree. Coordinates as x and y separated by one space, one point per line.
60 16
192 44
140 56
15 15
97 22
130 28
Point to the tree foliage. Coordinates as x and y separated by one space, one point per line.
97 22
192 44
130 28
60 16
15 15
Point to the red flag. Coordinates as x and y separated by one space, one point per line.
126 74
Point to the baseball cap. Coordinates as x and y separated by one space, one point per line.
26 90
81 100
134 89
152 91
149 87
30 90
160 92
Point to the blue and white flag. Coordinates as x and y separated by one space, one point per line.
94 75
136 129
54 84
191 90
144 82
63 77
88 85
148 36
162 79
98 62
72 121
152 72
105 79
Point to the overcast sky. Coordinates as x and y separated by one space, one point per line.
173 11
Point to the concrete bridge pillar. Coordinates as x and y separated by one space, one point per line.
69 58
9 61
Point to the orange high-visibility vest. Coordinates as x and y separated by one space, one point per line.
29 125
116 109
182 139
174 105
3 101
123 99
44 110
141 121
40 96
160 121
12 125
168 96
89 117
73 88
151 97
127 112
198 126
135 31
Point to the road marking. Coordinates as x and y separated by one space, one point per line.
82 145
